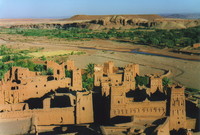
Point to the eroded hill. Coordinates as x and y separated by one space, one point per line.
99 22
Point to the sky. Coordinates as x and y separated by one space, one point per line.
67 8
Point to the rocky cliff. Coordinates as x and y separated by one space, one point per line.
115 21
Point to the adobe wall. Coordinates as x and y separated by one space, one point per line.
77 80
163 129
197 45
115 79
155 84
98 74
84 108
133 69
13 107
122 106
191 123
44 116
108 67
177 108
69 65
30 90
58 70
105 90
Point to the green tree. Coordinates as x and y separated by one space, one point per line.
39 68
166 81
142 80
49 71
90 70
68 73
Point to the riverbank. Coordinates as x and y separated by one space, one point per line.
184 70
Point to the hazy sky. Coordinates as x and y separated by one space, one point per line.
66 8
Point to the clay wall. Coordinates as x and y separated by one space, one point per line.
155 84
118 91
138 109
105 90
97 77
108 67
84 108
129 86
177 108
13 107
191 123
197 45
76 80
58 70
133 69
44 116
163 129
30 90
18 73
122 106
69 65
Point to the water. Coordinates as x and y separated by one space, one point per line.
160 55
136 51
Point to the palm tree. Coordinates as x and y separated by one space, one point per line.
90 70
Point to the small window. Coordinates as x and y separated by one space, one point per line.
35 86
83 108
58 72
45 85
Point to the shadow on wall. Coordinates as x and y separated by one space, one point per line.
141 95
121 119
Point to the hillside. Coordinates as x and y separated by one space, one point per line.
98 22
95 17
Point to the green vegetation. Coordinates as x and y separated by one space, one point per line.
11 57
68 73
176 38
49 71
166 81
43 58
4 50
14 57
171 38
142 80
88 77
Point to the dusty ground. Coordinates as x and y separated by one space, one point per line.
184 71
